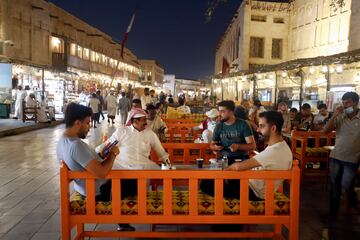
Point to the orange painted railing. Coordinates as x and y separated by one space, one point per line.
178 120
186 153
308 147
291 220
181 132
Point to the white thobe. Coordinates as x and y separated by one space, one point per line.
135 148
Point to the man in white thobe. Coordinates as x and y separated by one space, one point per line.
20 97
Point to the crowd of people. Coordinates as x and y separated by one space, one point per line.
233 132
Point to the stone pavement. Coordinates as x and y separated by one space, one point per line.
9 127
29 191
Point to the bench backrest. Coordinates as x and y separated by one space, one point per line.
186 153
181 133
304 139
193 177
178 120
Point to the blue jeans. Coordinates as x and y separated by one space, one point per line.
342 178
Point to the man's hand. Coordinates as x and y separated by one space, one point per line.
232 167
339 110
114 150
234 147
217 148
102 153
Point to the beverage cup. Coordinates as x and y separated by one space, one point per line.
199 162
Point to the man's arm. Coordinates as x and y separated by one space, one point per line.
101 170
216 139
244 165
159 149
331 124
249 138
248 146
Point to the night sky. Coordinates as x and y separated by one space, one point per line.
173 32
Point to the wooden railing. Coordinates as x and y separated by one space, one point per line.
291 220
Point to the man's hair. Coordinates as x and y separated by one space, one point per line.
229 105
171 100
136 101
98 92
240 113
181 101
76 112
150 107
257 103
353 96
282 103
123 94
273 118
321 106
152 90
293 110
158 105
305 106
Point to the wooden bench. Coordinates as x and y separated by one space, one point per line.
113 212
29 113
309 147
186 153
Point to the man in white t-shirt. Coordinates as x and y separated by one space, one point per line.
276 156
146 98
94 104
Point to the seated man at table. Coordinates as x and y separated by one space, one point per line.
208 125
232 138
135 141
322 117
154 121
276 156
304 119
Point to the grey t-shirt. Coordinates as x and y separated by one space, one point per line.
77 155
347 142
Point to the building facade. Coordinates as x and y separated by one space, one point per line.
59 56
266 33
192 88
152 73
303 43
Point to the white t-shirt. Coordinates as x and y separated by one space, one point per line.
318 119
185 109
94 104
274 157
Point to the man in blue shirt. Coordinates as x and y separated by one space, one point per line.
232 138
79 156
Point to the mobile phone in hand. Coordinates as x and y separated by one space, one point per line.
109 147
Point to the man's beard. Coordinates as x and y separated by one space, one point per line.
225 119
266 137
82 134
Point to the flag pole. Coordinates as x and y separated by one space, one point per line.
122 46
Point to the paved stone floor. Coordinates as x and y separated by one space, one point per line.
6 124
29 191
